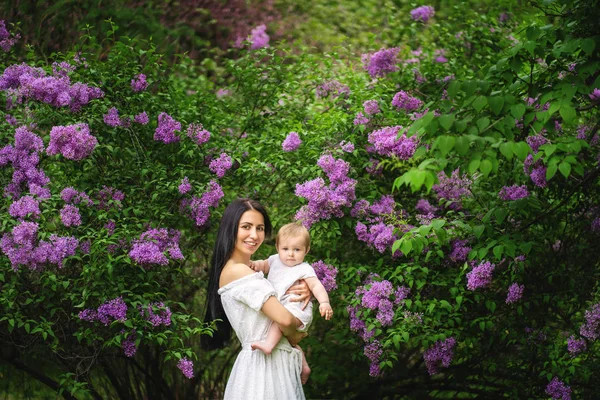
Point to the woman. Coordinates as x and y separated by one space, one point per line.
246 301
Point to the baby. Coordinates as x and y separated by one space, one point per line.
284 269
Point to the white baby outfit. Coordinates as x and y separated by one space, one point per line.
282 277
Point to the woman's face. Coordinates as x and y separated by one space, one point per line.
251 233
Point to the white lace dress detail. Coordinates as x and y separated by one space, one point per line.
256 375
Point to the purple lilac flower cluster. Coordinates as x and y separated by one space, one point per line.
165 131
536 141
576 346
24 158
185 185
25 206
72 141
186 367
347 147
591 329
156 313
404 101
424 207
325 201
514 192
536 171
373 352
326 274
141 118
332 88
452 188
371 107
376 296
480 276
460 250
422 14
198 134
139 83
258 37
69 216
221 165
558 390
22 248
381 222
6 41
21 82
381 63
386 142
360 119
109 196
112 119
515 292
112 310
380 235
197 208
595 95
292 142
150 248
439 355
128 344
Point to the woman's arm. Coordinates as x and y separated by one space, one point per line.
303 292
282 317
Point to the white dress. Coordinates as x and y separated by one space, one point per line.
282 277
256 375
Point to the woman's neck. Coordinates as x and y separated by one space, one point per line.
240 258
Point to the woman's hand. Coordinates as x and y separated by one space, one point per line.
303 292
296 337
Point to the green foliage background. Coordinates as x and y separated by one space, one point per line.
503 351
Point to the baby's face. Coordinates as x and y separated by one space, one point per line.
292 250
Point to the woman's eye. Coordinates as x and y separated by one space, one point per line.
260 228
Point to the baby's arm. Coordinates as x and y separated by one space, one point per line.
260 265
317 289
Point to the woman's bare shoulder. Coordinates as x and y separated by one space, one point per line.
234 271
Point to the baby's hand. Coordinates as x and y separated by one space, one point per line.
253 265
326 311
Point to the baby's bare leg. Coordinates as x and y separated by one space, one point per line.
305 373
273 337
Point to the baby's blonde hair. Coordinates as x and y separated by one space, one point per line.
291 230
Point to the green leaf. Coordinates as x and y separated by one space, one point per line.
478 230
565 168
500 214
460 126
552 168
517 110
588 45
498 250
479 103
496 104
453 89
405 336
445 144
507 150
473 165
446 121
438 223
567 113
521 150
485 167
406 247
469 87
483 123
462 145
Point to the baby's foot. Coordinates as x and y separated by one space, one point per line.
262 347
304 374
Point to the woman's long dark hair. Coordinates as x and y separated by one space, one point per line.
224 245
